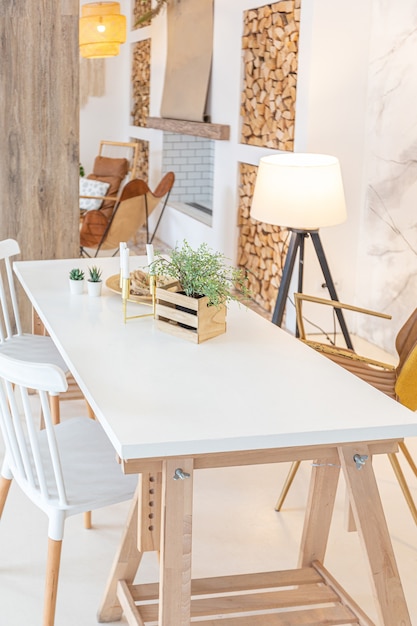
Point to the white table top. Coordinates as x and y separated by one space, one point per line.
157 395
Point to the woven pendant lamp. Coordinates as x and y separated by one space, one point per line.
102 30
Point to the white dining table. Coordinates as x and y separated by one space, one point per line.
252 395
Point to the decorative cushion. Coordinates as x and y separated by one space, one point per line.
106 166
114 182
90 187
112 171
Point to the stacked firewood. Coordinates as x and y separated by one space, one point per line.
270 62
140 7
142 165
141 77
261 247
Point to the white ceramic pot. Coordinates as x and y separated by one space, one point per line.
76 286
94 288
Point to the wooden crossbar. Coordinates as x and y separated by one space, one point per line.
300 597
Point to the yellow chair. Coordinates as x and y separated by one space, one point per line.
397 381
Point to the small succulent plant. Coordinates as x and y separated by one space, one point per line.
95 274
76 274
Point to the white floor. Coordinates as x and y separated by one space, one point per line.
236 530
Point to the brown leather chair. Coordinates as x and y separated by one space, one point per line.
131 212
115 164
112 171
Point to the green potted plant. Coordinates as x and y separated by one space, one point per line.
76 281
94 282
206 283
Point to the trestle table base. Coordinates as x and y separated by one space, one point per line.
301 596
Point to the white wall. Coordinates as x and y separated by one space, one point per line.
388 243
105 118
331 112
331 106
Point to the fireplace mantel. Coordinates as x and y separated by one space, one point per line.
183 127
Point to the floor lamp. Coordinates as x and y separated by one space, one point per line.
302 192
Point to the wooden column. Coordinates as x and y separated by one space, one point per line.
39 129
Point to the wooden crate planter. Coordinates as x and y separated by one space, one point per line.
201 322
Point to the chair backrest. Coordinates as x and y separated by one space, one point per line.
136 204
32 455
380 375
406 339
164 186
406 345
406 383
115 164
162 191
400 382
129 215
112 171
122 149
8 300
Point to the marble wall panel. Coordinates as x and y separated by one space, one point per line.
387 267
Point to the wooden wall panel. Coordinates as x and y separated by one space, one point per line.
39 129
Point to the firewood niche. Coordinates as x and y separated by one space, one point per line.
270 69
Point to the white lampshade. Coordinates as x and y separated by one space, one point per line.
299 190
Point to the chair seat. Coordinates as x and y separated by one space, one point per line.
93 477
84 447
33 348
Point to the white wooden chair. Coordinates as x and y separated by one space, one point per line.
13 342
64 469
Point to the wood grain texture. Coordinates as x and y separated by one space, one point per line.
197 129
374 534
175 574
39 130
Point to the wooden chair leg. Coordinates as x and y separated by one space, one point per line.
403 484
4 490
87 520
90 411
51 586
289 480
87 514
55 413
408 456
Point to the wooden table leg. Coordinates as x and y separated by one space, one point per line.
373 532
175 566
319 512
124 567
